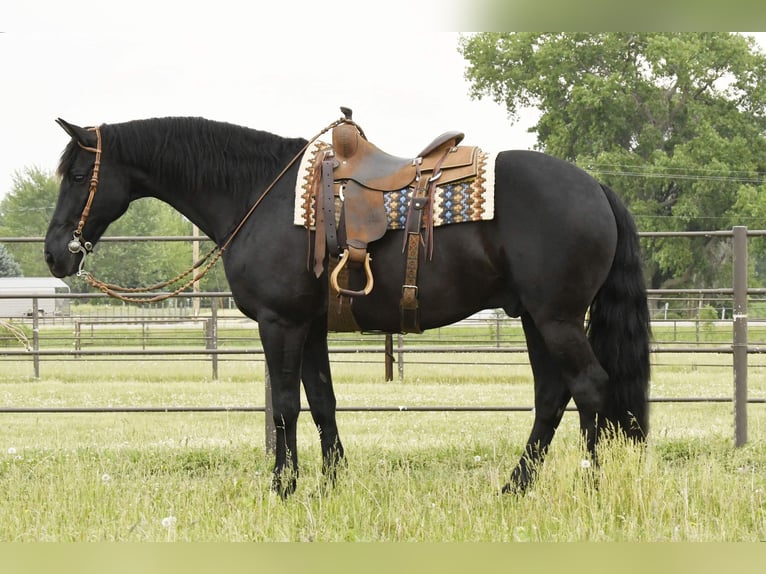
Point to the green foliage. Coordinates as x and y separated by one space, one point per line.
707 316
8 265
26 212
674 122
139 264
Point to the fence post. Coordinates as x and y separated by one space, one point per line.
389 357
36 336
77 343
739 344
213 335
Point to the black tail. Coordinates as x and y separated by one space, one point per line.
619 329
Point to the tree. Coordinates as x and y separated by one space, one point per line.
25 212
146 263
28 208
139 264
675 122
8 265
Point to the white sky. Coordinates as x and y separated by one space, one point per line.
281 66
284 66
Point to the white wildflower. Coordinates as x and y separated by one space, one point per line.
12 450
585 463
105 478
477 458
169 521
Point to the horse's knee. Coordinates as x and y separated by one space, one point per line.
285 412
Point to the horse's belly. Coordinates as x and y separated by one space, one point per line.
462 276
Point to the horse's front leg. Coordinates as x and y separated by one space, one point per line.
317 381
283 346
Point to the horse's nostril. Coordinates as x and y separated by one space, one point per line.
49 258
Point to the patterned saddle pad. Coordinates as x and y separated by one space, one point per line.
465 200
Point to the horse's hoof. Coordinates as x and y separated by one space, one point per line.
518 485
284 487
332 466
513 489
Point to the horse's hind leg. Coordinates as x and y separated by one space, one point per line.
317 382
583 375
551 398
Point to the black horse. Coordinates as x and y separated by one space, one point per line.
560 246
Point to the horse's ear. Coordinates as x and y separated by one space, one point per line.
83 136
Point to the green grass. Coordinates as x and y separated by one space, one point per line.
215 487
410 476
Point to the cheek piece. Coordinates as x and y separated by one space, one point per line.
77 244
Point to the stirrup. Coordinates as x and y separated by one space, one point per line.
349 292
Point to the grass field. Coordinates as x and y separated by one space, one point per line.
411 476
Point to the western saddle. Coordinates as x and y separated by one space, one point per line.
359 173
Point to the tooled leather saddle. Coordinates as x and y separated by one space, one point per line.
359 173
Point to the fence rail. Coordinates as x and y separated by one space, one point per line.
217 347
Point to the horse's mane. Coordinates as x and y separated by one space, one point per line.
196 153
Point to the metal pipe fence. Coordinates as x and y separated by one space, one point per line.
210 337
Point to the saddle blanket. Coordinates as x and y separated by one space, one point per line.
457 202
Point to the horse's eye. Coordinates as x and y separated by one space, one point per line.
78 178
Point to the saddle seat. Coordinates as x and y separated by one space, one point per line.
363 162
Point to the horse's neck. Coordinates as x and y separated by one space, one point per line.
230 188
210 210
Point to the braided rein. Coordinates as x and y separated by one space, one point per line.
78 245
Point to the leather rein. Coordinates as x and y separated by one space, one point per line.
79 245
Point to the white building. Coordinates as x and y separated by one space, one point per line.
16 294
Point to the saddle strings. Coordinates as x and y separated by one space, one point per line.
117 291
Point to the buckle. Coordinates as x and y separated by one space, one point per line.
414 287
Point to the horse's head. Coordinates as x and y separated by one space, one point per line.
94 192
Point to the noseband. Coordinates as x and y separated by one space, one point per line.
77 244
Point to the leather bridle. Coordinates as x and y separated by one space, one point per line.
78 244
